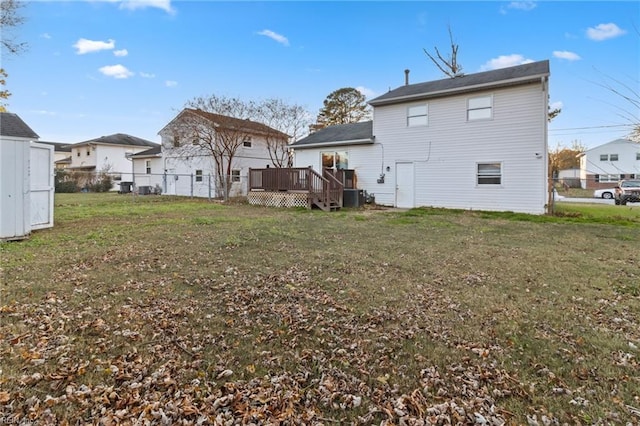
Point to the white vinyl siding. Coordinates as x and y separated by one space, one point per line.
418 115
446 152
480 108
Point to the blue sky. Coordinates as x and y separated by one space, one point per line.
95 68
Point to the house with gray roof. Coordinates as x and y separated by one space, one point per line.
477 142
107 154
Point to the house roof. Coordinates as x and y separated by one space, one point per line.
58 146
12 125
613 142
231 122
118 139
156 151
519 74
341 134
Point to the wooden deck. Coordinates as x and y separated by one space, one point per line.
299 187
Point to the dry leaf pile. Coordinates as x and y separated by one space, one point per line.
261 349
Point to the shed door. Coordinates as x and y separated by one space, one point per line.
42 185
404 185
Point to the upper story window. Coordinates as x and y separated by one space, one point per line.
246 142
608 157
480 108
198 175
418 115
637 155
78 154
489 173
88 151
147 166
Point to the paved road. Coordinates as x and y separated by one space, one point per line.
585 200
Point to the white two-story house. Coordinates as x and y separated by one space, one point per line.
473 142
605 165
107 154
190 141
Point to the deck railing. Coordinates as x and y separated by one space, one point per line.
325 190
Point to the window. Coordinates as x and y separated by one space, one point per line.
147 165
489 173
417 115
246 142
607 178
479 108
198 175
613 157
608 157
335 160
78 154
604 157
637 155
88 151
235 175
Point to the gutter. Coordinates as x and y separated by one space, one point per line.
334 143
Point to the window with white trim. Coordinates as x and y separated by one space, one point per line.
147 166
247 142
418 115
489 174
235 175
604 157
608 178
198 175
613 157
638 155
480 108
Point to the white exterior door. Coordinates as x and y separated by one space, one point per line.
42 185
405 185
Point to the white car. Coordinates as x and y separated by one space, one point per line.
606 193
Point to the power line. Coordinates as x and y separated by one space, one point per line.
592 127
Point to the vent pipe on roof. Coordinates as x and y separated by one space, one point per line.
406 77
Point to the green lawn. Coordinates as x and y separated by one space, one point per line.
162 309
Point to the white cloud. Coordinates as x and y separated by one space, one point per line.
84 45
170 83
505 61
564 54
519 5
604 31
116 71
44 112
46 35
556 105
147 75
143 4
275 36
368 93
121 52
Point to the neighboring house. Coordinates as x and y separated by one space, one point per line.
26 180
107 154
148 169
61 154
569 178
190 167
605 165
473 142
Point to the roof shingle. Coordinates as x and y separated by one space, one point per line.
342 133
12 125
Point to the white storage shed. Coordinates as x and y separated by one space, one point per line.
26 180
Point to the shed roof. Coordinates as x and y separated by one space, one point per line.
519 74
340 134
58 146
12 125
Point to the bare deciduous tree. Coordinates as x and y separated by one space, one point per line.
291 120
450 65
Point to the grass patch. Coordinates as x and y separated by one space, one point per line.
232 311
